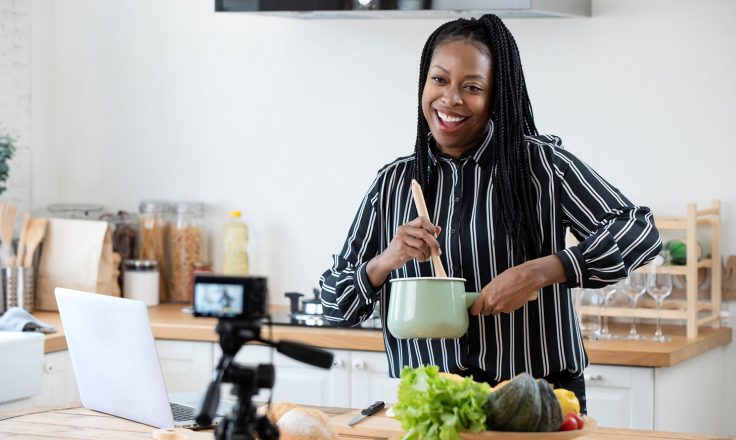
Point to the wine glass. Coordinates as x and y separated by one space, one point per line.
634 287
590 325
659 286
607 293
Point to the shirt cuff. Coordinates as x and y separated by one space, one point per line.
364 284
576 270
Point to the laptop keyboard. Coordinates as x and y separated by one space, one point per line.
182 413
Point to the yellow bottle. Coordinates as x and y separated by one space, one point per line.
235 261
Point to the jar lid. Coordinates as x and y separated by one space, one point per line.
141 264
75 210
154 207
196 208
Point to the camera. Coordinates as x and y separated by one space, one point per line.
240 305
230 297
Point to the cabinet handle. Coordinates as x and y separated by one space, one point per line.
359 364
48 367
338 363
593 378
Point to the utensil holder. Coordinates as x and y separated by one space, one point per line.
17 288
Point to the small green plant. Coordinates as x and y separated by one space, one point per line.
7 150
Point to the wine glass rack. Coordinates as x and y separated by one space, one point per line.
693 311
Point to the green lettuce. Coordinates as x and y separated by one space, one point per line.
434 407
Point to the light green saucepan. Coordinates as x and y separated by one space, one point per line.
429 308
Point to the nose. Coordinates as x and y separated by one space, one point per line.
451 96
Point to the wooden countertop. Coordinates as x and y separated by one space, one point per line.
169 322
72 422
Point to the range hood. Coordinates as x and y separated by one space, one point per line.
337 9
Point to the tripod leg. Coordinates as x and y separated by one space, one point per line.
266 429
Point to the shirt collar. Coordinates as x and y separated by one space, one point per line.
481 155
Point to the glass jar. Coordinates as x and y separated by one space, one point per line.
142 281
154 224
124 226
79 211
187 246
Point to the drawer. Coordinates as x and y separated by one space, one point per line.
612 376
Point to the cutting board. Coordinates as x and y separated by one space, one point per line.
380 426
377 426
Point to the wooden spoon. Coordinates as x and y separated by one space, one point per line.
7 223
22 239
36 232
416 192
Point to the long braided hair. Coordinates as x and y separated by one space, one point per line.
511 112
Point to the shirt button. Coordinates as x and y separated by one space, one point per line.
456 268
452 231
457 199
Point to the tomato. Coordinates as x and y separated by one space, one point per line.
569 423
579 419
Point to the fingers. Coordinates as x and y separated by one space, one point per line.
417 248
484 305
421 229
424 223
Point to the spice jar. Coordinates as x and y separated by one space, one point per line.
186 247
154 227
141 281
124 227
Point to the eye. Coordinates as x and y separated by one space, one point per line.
473 88
438 80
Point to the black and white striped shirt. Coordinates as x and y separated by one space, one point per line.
542 337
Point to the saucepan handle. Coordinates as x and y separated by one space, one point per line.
470 298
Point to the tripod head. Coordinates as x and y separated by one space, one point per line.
236 327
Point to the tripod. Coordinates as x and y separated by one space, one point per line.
243 421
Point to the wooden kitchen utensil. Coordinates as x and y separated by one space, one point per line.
22 239
7 224
416 192
34 236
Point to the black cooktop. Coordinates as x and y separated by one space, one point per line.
312 320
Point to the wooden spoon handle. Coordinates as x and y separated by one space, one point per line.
416 192
22 241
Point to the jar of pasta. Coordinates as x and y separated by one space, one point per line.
186 246
153 231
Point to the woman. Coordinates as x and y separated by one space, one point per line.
500 197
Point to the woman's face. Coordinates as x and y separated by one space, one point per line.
457 96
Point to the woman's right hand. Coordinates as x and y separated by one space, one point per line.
413 240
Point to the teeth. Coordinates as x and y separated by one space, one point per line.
447 118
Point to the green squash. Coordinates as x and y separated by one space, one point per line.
515 407
551 417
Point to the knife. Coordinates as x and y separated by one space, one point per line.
367 412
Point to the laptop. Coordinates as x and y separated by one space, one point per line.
115 362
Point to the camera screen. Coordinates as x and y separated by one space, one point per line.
224 300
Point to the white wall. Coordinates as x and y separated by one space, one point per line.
290 119
15 96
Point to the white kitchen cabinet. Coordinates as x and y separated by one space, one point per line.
620 396
369 379
298 382
186 365
356 379
687 396
58 385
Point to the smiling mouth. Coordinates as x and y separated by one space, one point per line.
449 122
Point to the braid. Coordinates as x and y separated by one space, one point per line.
513 120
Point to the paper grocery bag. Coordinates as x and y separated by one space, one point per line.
77 254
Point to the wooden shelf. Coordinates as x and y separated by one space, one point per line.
691 309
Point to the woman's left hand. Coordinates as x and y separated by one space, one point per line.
516 285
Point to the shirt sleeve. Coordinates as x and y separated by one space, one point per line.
615 235
347 295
